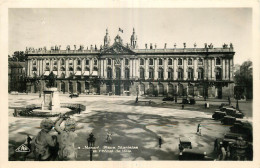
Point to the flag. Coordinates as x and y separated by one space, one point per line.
121 30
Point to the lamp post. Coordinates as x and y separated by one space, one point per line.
91 143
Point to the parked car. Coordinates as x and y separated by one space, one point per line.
192 101
74 95
185 101
185 143
218 115
228 120
193 154
168 99
243 127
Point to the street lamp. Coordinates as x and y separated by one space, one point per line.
91 143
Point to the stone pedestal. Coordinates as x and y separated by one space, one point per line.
51 100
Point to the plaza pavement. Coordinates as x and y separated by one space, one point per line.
131 124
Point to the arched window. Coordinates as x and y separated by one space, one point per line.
95 62
70 62
127 73
151 75
141 61
141 73
55 68
218 62
126 62
169 61
95 69
109 62
54 62
70 69
109 73
62 62
78 68
34 69
151 89
87 62
78 62
62 68
47 68
180 73
160 73
47 63
34 62
170 73
160 89
189 61
160 61
118 73
190 73
150 61
86 68
200 61
179 61
62 75
200 73
218 74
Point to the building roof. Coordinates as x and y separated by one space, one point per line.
13 64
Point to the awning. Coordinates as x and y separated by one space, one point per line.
78 73
86 73
46 73
55 72
94 73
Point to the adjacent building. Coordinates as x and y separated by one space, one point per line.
125 69
16 76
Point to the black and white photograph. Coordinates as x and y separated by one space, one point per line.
130 84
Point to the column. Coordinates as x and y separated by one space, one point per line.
51 64
66 68
165 75
137 67
90 66
105 68
66 86
226 69
82 83
195 68
130 67
101 68
223 69
213 69
38 67
156 68
31 74
175 69
74 86
231 69
134 62
58 85
83 61
113 69
185 68
146 68
209 66
123 68
205 68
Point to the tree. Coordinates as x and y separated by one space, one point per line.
17 56
244 77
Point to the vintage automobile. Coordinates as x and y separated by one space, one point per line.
185 101
185 143
168 99
243 127
192 101
218 115
74 95
228 120
234 113
193 154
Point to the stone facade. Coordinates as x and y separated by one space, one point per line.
120 69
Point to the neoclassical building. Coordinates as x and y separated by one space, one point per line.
124 69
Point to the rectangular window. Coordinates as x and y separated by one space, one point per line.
95 62
150 61
160 61
189 61
126 62
169 61
179 61
87 62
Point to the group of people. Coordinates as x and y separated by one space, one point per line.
49 147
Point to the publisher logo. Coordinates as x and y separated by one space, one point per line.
22 148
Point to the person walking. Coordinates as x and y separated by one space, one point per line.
160 141
199 129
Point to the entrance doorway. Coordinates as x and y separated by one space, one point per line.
219 91
117 89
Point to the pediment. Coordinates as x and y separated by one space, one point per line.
117 48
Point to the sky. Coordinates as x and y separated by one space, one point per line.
39 27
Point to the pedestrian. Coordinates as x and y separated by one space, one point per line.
136 99
205 105
175 99
160 141
199 129
67 136
44 141
229 101
182 106
91 140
